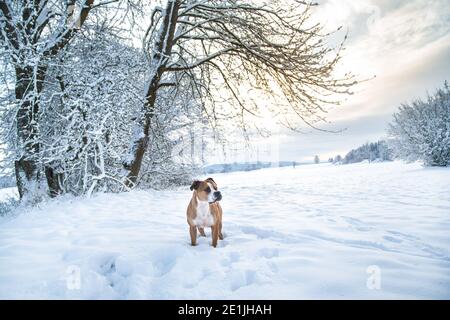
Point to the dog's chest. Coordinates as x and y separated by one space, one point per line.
204 217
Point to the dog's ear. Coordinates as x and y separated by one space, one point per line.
195 184
210 179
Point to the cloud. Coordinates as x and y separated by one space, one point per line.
406 44
346 13
398 41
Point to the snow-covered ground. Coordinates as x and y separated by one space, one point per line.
317 231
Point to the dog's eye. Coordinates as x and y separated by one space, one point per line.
208 190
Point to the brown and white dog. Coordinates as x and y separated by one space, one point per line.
204 210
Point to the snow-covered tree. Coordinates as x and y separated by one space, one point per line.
87 109
87 106
84 108
73 87
421 130
221 49
316 159
338 159
32 35
378 151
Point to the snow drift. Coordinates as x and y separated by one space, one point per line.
319 231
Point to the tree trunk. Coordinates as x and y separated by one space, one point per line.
140 147
53 181
163 49
28 87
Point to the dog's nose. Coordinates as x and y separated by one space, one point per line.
217 194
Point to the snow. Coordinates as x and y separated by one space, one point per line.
313 232
7 193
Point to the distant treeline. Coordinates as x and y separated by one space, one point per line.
377 151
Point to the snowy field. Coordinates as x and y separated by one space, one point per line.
312 232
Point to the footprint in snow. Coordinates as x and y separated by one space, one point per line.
239 279
194 282
260 233
164 260
268 252
115 271
356 223
232 258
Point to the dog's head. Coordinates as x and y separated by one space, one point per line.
207 190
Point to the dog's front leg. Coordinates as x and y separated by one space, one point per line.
193 233
215 235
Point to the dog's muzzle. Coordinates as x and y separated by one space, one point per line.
217 196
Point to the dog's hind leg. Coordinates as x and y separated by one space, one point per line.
220 231
202 232
220 222
193 233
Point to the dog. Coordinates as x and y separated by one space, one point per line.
204 210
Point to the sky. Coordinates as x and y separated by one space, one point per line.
405 44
